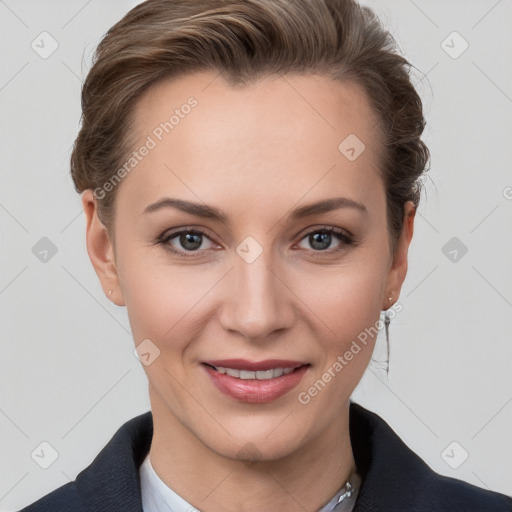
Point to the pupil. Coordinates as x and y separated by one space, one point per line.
320 241
190 241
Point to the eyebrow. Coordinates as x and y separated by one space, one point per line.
210 212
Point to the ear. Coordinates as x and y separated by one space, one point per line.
398 269
101 249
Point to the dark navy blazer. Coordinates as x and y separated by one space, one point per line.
394 478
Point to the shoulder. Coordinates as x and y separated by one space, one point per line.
395 478
450 494
111 482
62 498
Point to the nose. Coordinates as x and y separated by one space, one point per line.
258 303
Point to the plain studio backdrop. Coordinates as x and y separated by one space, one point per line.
69 377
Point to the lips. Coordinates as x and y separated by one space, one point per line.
255 382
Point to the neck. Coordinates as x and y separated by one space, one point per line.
303 480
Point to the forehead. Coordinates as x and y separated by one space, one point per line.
294 134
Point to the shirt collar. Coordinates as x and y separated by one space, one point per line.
156 494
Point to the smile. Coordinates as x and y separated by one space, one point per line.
255 382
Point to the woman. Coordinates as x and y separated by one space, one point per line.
250 173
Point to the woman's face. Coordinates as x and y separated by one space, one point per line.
267 285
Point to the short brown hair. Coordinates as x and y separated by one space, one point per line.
244 39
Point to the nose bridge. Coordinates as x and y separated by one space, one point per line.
257 300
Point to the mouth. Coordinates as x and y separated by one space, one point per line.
255 382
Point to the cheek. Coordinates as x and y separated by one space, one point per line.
346 299
165 302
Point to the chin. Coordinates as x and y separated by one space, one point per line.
252 444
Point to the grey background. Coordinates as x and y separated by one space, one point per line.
68 373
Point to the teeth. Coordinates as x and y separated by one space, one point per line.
259 375
265 374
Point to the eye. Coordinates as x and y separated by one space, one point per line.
187 240
193 242
321 239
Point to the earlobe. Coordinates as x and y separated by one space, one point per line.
100 249
398 269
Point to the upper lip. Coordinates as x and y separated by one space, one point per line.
243 364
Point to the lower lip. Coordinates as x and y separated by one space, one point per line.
253 390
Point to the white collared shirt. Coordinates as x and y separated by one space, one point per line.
157 496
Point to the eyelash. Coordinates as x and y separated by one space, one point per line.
342 236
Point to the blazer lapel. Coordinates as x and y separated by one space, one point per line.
111 482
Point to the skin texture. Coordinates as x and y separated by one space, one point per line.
256 152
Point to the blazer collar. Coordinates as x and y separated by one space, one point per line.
391 472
